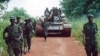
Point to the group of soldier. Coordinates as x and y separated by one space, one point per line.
89 32
18 36
18 33
53 13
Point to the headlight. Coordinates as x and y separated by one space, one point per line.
67 25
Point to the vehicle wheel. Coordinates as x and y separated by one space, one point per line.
66 32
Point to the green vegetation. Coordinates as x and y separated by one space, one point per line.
1 1
2 43
80 7
16 12
75 9
77 27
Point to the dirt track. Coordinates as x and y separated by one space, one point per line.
56 47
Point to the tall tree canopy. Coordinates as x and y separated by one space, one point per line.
1 1
80 7
3 7
16 12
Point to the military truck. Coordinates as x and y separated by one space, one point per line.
56 26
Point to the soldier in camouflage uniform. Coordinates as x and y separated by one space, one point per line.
45 23
12 38
18 21
27 32
89 31
45 30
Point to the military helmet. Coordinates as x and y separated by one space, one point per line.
12 18
26 19
18 17
90 16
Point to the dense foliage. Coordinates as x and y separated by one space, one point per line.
80 7
1 1
77 27
16 12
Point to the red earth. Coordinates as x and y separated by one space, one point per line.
56 46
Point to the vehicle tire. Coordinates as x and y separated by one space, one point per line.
66 32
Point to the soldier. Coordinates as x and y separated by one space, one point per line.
18 21
25 36
45 24
89 31
59 11
27 32
12 35
46 12
45 30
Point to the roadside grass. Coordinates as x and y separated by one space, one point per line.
3 48
77 27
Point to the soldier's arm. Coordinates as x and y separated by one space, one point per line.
4 32
84 34
96 28
20 32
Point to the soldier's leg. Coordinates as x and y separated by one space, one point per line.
95 50
88 50
17 51
29 43
45 34
25 44
45 37
10 51
21 47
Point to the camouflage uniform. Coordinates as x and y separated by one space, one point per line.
90 30
27 32
45 30
21 25
13 32
45 24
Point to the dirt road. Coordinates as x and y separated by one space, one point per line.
56 46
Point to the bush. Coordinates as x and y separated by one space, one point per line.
77 27
3 48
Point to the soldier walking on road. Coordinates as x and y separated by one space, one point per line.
18 21
27 32
45 30
45 23
89 31
12 35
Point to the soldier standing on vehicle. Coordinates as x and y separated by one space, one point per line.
46 12
59 12
89 31
12 35
27 32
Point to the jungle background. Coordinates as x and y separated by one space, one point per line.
75 10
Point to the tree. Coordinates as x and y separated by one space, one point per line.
16 12
3 7
80 7
1 1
